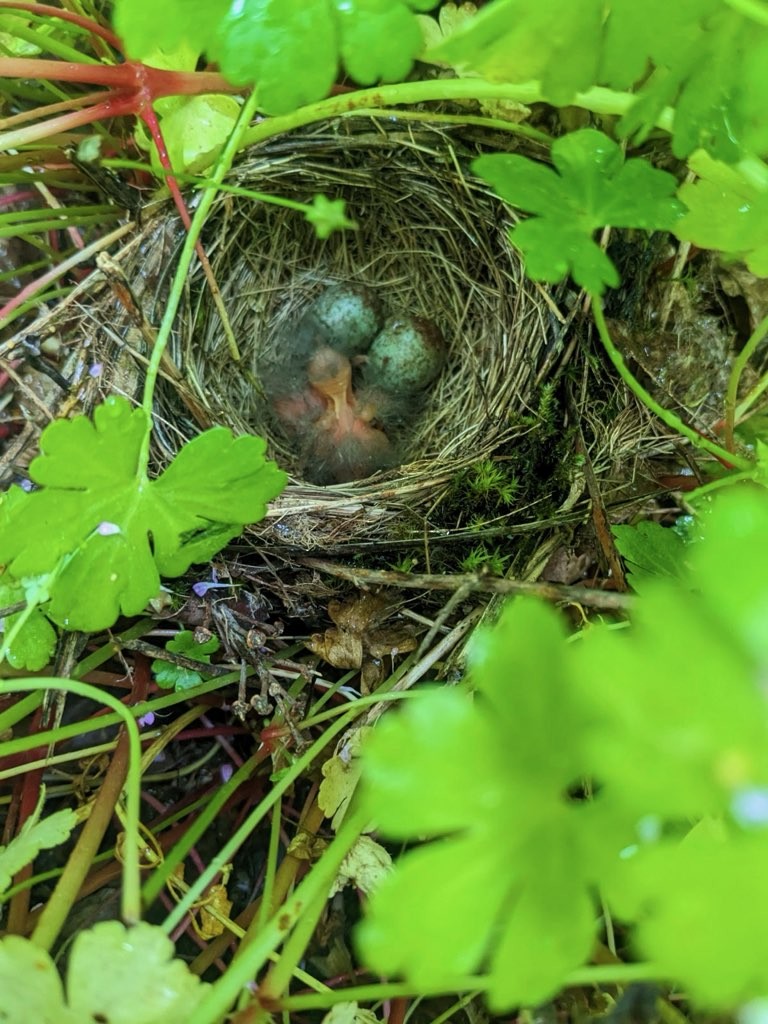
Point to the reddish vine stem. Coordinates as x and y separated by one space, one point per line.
81 20
131 75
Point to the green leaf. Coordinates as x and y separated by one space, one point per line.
108 962
35 642
553 42
35 835
727 213
144 25
486 782
329 215
655 32
689 707
31 986
215 485
711 65
195 132
708 61
730 570
379 39
109 531
590 186
667 720
650 550
716 890
286 48
174 677
291 49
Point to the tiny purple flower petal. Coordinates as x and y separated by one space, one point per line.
226 772
202 588
750 806
96 369
148 719
26 485
107 529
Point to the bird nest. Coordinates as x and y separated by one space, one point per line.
432 242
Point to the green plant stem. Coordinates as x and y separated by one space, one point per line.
300 765
179 283
494 123
598 100
130 895
584 977
295 946
81 21
52 45
78 865
752 9
65 732
197 828
669 418
270 872
19 711
241 971
739 363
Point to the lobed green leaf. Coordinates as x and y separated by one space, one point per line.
553 42
35 642
174 677
36 834
726 212
650 550
144 26
109 531
591 186
478 783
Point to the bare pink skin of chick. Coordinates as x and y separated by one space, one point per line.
341 444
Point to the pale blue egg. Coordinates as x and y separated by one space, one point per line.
406 356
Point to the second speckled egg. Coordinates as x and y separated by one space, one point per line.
406 356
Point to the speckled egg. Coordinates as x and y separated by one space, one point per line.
406 356
349 317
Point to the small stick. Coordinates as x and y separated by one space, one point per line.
477 582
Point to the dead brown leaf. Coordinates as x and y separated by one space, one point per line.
358 640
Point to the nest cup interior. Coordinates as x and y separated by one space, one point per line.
431 242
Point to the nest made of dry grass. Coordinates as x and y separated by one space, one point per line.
432 241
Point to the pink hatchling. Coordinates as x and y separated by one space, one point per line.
333 424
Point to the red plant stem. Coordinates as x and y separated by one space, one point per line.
16 197
115 105
60 269
75 19
131 75
53 108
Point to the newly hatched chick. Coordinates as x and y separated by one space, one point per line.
335 428
346 317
